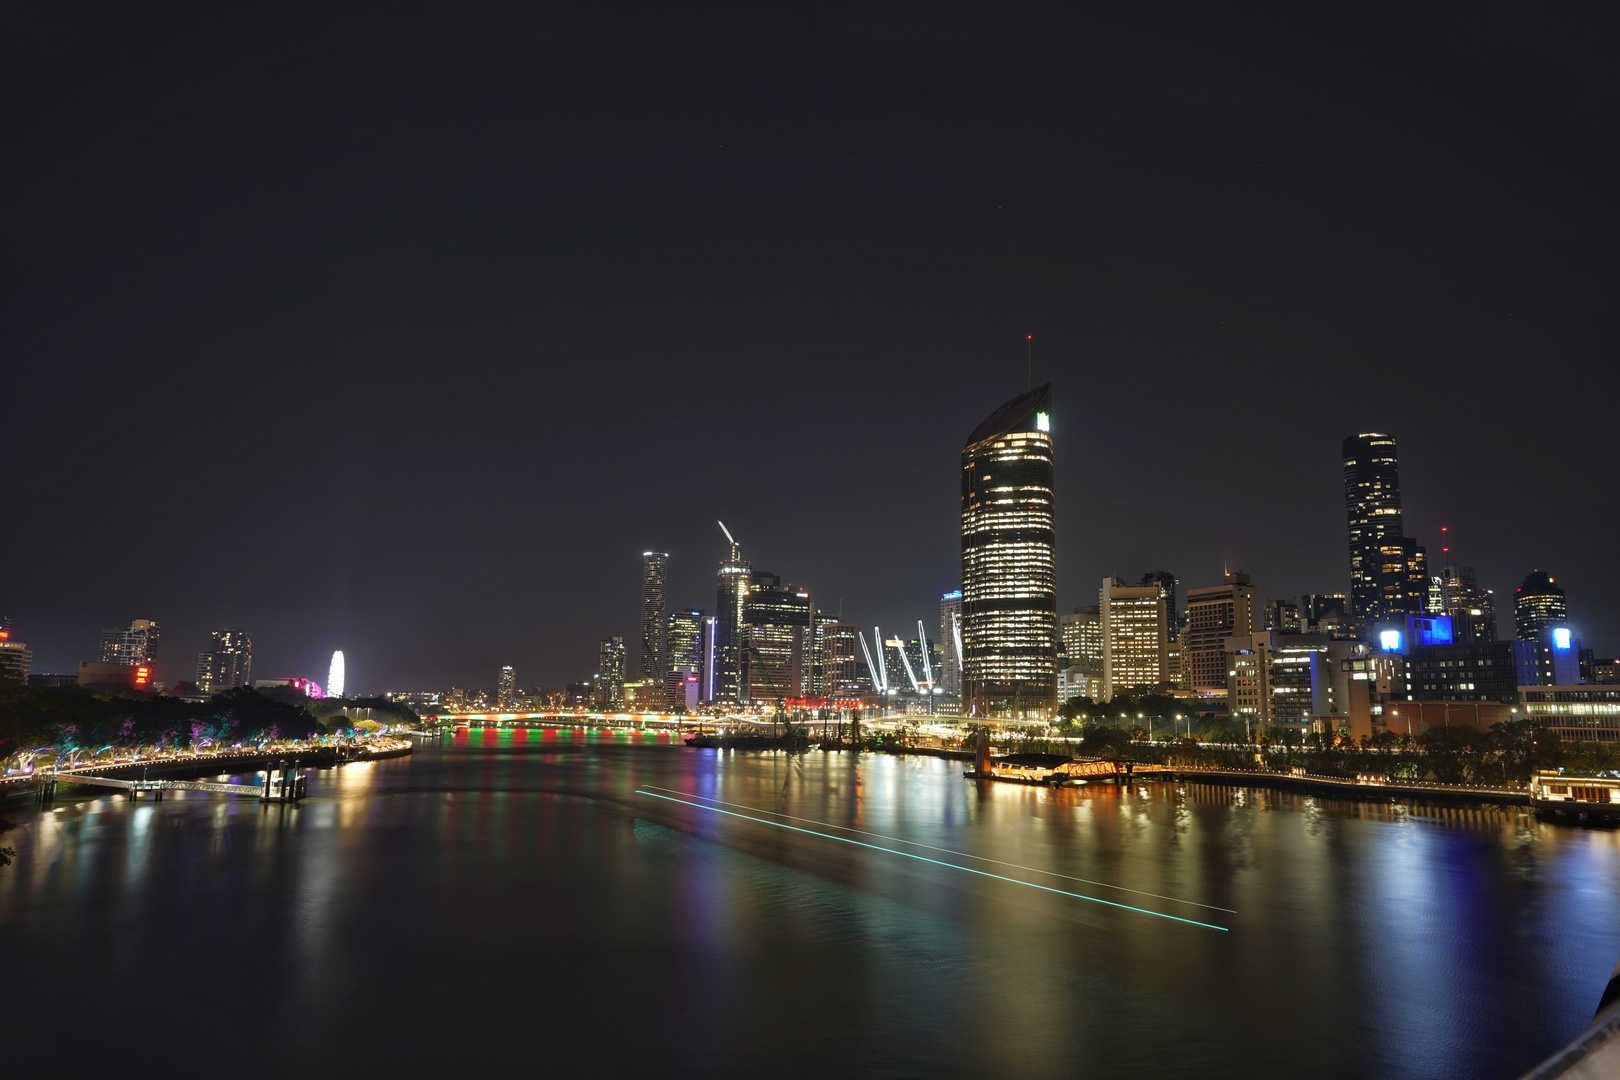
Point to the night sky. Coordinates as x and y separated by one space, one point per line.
406 333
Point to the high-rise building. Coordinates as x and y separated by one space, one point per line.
227 663
684 656
1134 628
1246 671
1538 605
685 638
610 673
1472 609
1009 562
1281 616
654 627
777 630
506 689
841 670
731 593
1325 613
1082 639
132 646
820 624
16 660
1167 585
1389 575
1214 614
950 632
1299 674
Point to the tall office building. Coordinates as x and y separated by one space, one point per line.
777 629
950 629
16 660
841 670
1082 638
685 639
1009 562
1281 616
1538 605
227 663
1167 585
1134 628
654 628
1472 609
731 593
1213 615
1389 575
506 689
821 623
610 673
132 646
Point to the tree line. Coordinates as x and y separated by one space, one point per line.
70 720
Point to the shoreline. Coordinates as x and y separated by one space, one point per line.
26 793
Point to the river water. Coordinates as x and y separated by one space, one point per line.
608 904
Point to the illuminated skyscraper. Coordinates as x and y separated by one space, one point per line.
841 670
16 661
1472 609
1009 562
1214 614
686 639
1082 643
1134 628
610 673
227 663
654 627
777 631
132 646
950 625
731 593
506 689
1538 605
1388 570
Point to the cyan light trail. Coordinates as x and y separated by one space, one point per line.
936 862
953 851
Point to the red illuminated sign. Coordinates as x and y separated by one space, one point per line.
141 675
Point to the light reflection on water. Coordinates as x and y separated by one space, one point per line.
510 898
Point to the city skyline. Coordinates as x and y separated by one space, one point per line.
655 594
616 279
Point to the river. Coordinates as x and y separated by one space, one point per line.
610 904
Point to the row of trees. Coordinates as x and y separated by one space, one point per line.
68 721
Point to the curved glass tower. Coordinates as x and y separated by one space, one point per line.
1009 563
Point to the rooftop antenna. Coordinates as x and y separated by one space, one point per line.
1445 542
1029 359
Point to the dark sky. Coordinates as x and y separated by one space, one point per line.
406 332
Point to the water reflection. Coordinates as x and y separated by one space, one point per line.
514 891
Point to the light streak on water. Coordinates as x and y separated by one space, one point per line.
953 851
936 862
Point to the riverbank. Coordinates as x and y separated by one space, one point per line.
22 791
1344 789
